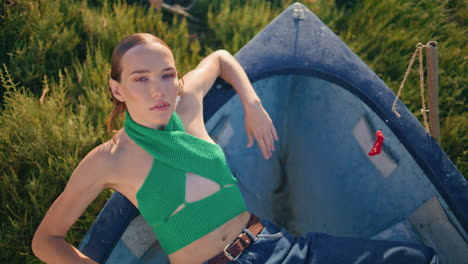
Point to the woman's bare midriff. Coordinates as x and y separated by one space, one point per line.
211 244
132 164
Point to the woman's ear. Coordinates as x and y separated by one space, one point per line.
115 88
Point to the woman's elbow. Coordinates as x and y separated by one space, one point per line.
222 52
38 244
35 245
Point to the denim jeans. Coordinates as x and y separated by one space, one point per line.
275 245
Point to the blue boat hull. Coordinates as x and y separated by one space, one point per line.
327 105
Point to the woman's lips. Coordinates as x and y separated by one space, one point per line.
161 106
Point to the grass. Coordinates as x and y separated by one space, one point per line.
65 46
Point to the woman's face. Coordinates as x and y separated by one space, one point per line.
148 84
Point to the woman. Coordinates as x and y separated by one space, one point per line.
166 164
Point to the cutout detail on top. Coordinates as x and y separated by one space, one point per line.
198 187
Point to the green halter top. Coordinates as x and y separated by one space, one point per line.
163 191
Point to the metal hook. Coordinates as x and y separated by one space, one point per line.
298 12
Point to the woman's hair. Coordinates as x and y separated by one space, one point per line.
116 71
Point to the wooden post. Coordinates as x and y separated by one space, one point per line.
433 88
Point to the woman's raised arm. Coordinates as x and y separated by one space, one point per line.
258 123
83 187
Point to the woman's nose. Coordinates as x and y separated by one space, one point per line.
157 92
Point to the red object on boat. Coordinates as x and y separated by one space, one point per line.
377 148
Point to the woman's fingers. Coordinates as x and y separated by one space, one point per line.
270 142
250 139
265 143
275 135
260 128
263 147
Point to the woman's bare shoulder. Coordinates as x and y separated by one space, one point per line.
190 106
98 166
197 82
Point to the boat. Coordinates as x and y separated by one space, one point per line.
327 106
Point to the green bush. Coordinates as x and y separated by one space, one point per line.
41 143
64 47
40 37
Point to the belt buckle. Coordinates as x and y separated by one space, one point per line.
244 231
228 254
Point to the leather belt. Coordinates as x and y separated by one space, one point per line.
242 241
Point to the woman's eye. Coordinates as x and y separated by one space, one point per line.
141 79
168 76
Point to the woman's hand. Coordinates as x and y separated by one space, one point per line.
258 125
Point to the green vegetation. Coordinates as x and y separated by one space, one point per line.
61 50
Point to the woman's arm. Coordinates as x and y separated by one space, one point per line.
84 185
222 64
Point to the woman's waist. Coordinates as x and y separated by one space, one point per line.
212 243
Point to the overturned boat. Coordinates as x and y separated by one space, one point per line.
327 105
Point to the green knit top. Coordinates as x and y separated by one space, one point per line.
175 153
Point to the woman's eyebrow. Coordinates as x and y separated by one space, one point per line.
139 71
169 69
147 71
